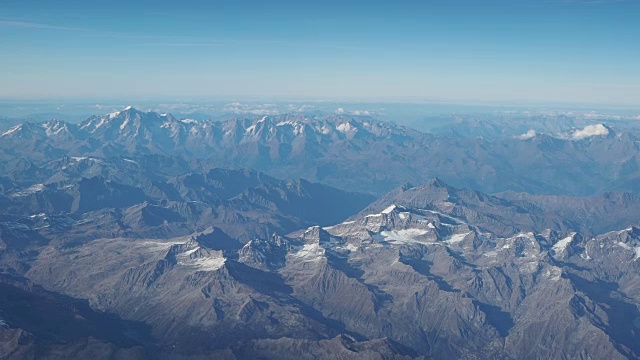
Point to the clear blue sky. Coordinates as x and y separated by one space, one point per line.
582 51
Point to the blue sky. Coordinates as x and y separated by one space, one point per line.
561 51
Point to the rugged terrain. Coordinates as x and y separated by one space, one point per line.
126 237
354 153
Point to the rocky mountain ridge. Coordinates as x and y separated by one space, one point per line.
356 153
416 278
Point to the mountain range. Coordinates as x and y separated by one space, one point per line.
139 236
353 153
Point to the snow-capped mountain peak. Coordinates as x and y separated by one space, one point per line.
12 130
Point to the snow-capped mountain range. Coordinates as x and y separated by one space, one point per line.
350 152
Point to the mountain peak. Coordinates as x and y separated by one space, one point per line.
30 130
407 186
316 235
435 182
128 110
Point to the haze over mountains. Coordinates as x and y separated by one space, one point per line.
139 235
353 153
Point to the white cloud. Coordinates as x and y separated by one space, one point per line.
589 131
254 109
341 111
361 112
528 135
301 108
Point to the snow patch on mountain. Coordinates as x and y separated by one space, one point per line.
159 244
309 252
554 273
635 250
209 264
204 263
99 124
30 190
456 238
83 158
389 209
448 217
405 236
124 124
12 130
624 246
54 127
287 122
561 245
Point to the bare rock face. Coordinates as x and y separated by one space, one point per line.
399 283
122 238
38 324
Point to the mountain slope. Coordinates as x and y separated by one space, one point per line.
428 282
352 153
449 273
